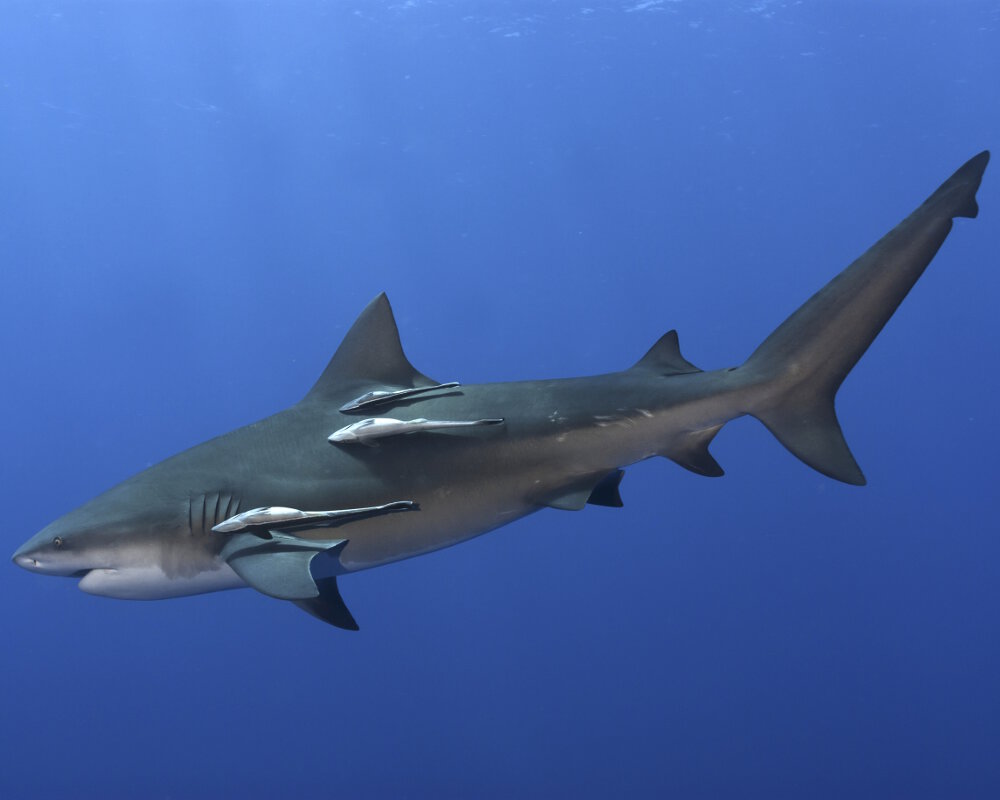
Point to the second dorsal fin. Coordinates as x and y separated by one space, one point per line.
665 357
370 355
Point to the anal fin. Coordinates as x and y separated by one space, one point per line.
691 452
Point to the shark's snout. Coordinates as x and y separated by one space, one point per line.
57 550
27 556
43 558
24 560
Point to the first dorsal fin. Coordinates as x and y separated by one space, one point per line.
665 357
370 355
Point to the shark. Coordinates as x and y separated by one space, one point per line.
288 504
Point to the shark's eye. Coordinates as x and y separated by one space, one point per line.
58 542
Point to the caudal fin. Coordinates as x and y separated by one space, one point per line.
800 366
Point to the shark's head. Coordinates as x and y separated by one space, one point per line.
51 552
131 543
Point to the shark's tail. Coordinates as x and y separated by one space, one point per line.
800 366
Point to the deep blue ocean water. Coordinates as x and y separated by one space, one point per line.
197 198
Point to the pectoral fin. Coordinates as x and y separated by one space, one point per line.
278 567
329 606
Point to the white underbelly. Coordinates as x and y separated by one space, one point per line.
150 582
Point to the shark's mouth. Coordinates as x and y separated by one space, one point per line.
46 567
94 580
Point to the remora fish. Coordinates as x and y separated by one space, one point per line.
562 445
367 430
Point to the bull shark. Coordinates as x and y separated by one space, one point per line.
287 504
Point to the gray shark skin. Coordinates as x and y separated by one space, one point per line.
562 444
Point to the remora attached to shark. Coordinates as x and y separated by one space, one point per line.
276 503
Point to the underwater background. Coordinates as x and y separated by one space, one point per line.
197 198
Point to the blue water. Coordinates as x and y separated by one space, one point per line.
196 199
